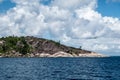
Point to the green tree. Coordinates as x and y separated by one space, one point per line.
26 48
80 47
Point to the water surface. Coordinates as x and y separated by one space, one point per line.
60 68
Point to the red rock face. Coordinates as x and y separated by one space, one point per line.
48 46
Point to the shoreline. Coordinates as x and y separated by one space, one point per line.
30 46
55 55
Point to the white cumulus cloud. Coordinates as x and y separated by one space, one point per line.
74 4
68 21
1 1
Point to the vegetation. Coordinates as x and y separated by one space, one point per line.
12 43
80 47
58 43
30 46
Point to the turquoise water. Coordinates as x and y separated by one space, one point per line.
60 68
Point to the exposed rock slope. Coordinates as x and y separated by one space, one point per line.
39 47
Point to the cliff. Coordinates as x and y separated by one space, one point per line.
38 47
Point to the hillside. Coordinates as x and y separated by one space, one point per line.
38 47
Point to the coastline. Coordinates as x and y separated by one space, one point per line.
58 54
30 46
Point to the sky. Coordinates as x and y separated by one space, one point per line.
92 24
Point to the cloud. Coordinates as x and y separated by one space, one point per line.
1 1
73 4
75 21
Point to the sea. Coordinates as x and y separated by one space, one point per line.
107 68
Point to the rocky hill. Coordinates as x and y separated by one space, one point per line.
38 47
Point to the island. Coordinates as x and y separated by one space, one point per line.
29 46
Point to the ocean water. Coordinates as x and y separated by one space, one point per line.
60 68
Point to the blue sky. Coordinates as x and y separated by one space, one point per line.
92 24
110 8
6 5
106 8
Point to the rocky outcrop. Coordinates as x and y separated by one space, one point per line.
64 54
39 47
